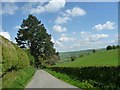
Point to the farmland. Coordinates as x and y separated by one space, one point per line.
99 58
93 70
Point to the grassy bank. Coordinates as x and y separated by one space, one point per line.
15 63
18 79
83 85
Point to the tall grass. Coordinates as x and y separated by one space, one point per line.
17 79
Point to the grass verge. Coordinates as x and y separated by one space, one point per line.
83 85
18 79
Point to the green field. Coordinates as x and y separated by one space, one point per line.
64 56
100 58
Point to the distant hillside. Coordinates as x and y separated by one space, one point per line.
64 56
101 58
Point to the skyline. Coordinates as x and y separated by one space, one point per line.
74 26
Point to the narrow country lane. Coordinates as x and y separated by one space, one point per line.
42 79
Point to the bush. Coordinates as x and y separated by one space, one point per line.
31 58
114 47
94 50
109 47
72 58
81 55
100 77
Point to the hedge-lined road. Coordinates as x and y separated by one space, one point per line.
42 79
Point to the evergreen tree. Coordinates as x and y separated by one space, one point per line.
33 35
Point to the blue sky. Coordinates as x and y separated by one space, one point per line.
73 25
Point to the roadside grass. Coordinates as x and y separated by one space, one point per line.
101 58
17 79
82 85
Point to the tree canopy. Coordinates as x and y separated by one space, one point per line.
33 35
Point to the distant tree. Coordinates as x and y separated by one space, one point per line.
94 50
33 35
118 46
81 55
114 47
73 58
109 47
57 53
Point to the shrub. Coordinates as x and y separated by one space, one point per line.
100 77
109 47
81 55
73 58
114 47
94 50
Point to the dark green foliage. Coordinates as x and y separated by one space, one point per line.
72 58
112 47
105 78
81 55
118 46
109 47
31 58
33 35
94 50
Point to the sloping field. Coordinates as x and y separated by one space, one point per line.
101 58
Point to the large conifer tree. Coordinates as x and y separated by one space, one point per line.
33 35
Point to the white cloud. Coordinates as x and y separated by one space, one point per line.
89 37
6 35
66 16
76 11
52 40
59 28
9 8
87 40
52 6
95 37
108 25
66 39
62 20
58 44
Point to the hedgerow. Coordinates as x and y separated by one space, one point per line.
105 78
13 58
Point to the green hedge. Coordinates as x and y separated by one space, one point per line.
101 77
12 56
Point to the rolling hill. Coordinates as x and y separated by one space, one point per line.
64 56
101 58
